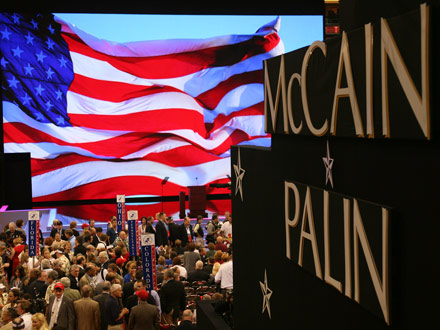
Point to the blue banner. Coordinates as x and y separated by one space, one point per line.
119 217
33 238
132 237
149 261
120 207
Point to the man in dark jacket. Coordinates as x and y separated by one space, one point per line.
173 229
161 238
57 228
186 233
198 274
172 297
101 299
60 310
187 321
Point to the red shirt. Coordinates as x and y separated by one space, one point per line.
222 247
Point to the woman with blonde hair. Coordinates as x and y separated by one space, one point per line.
39 322
215 268
131 268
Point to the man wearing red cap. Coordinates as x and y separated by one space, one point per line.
143 316
60 311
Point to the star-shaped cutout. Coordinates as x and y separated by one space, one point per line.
63 61
17 51
29 39
40 57
267 293
34 24
3 62
49 73
51 29
26 99
28 69
50 43
48 105
13 82
60 120
59 94
39 116
5 33
239 174
39 89
328 162
16 18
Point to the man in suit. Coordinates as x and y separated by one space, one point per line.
153 297
190 257
172 297
186 232
143 316
101 300
187 321
150 228
60 311
88 278
87 311
57 228
198 274
161 238
74 277
173 228
69 292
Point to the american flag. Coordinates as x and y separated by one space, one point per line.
102 118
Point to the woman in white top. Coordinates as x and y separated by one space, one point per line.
143 226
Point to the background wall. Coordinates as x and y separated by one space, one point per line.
400 174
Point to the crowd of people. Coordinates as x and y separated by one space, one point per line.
86 279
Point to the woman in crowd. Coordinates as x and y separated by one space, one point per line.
17 249
39 322
131 268
211 250
18 278
13 297
46 255
218 255
143 226
68 252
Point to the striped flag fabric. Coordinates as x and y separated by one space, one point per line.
102 118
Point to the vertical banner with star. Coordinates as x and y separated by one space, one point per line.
148 251
132 217
120 212
33 233
239 174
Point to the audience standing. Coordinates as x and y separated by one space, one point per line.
88 280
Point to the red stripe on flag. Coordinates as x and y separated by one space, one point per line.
113 91
179 64
177 157
148 122
211 98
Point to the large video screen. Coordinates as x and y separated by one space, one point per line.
110 104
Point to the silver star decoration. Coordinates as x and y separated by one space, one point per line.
267 293
328 162
239 174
